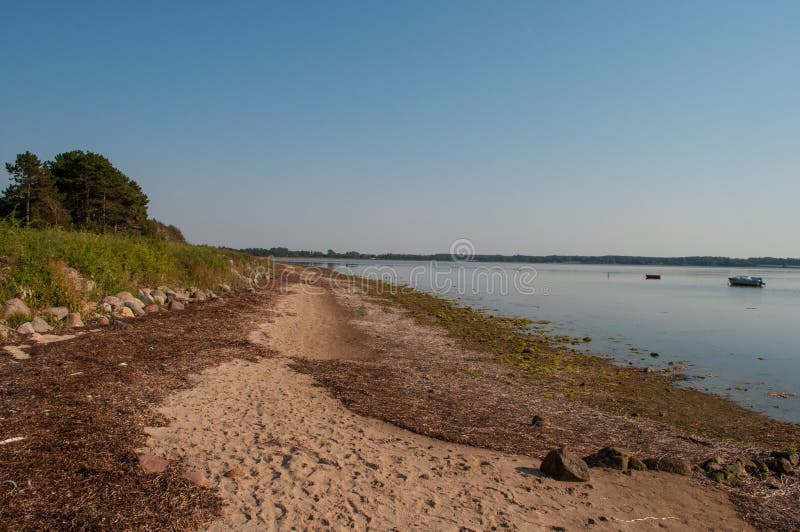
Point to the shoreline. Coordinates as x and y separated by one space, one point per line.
427 369
768 398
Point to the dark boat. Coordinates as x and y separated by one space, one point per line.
652 276
746 280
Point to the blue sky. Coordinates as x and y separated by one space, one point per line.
629 127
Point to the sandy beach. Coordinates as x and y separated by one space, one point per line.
285 454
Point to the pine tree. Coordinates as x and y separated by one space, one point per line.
32 193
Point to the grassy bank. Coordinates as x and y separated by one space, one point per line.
33 264
563 373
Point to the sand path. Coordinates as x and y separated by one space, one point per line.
306 462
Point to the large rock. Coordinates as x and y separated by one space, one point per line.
151 308
15 306
26 328
153 464
183 297
159 296
125 296
58 313
779 465
146 297
125 312
791 456
669 465
113 301
612 457
563 465
199 295
136 306
40 326
74 320
175 305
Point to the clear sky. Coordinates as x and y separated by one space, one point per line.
586 127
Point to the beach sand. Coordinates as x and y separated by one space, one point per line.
285 454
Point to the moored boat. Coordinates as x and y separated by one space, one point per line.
654 276
746 280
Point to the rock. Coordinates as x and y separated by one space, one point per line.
728 474
137 307
759 468
654 355
649 370
181 296
195 477
74 320
791 456
225 287
159 296
612 457
199 295
113 301
669 465
538 421
153 464
779 465
125 296
58 313
211 295
15 306
713 464
103 320
175 305
125 312
5 331
146 298
563 465
40 326
636 464
151 308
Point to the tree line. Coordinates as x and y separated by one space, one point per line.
721 262
78 190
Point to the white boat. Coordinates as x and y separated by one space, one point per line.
746 280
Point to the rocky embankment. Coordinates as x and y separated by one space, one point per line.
24 327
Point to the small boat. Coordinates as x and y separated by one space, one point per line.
652 276
746 280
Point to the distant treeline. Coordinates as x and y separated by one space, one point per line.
752 262
78 190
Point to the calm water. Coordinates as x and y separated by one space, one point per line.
741 342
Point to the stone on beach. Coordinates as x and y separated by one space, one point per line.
58 313
151 308
74 320
563 465
40 326
125 312
153 464
136 306
175 305
15 306
26 328
669 465
611 457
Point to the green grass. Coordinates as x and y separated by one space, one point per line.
33 261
